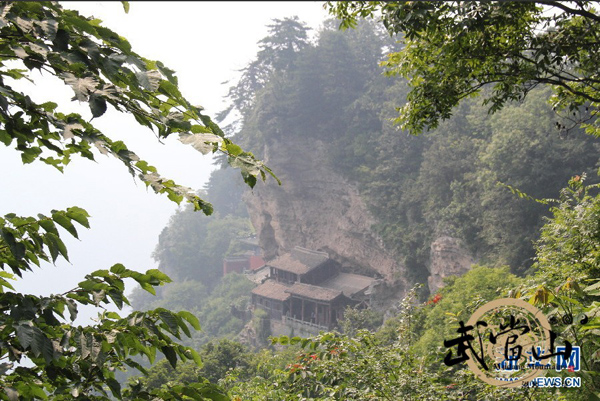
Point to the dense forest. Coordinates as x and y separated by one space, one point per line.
515 189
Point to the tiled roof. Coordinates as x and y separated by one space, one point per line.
299 261
309 257
348 283
272 290
313 292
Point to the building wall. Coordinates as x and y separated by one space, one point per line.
256 261
235 265
320 273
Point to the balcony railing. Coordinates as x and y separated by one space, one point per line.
301 324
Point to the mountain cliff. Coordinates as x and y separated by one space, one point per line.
319 209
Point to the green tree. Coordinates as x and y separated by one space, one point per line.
456 301
193 248
569 247
43 355
566 283
218 358
278 52
452 50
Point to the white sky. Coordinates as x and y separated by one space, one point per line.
205 43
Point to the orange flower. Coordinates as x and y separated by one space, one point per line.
435 299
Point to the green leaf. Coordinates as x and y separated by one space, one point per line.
170 320
49 106
118 268
191 318
195 357
37 391
79 215
160 276
212 392
114 386
169 89
117 298
72 306
4 283
125 6
233 149
16 248
200 129
56 246
170 354
148 287
97 105
25 335
30 154
47 225
62 220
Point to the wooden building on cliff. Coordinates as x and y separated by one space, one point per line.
307 287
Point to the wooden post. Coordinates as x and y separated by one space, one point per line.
302 314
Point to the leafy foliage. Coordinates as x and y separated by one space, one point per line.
334 367
212 306
218 358
458 299
454 49
102 70
566 285
569 246
69 361
360 319
278 51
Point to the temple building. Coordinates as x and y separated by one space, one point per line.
306 288
248 260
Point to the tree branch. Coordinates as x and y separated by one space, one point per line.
582 12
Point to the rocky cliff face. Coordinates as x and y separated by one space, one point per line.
316 208
448 258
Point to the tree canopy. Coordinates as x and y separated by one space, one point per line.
452 50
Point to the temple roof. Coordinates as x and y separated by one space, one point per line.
349 283
273 290
299 261
313 292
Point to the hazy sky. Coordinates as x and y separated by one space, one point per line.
206 43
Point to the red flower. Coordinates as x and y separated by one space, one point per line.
571 368
435 299
296 367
